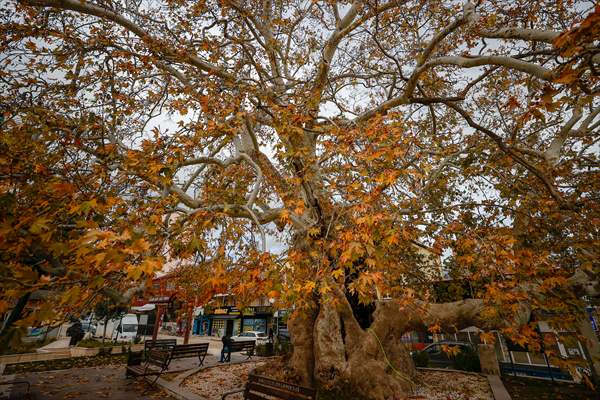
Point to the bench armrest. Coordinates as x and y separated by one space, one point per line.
231 392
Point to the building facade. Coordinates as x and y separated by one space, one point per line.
222 316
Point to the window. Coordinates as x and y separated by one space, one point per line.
129 328
218 325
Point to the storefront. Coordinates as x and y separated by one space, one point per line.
257 318
229 320
225 321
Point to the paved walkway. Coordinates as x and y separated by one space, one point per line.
106 382
109 381
57 344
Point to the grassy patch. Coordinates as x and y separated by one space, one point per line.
65 363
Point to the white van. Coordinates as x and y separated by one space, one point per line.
121 329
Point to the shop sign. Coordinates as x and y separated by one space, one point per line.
248 311
220 311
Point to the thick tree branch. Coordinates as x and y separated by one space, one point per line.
536 35
504 61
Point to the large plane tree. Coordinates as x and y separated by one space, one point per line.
307 150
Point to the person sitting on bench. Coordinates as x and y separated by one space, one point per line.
226 341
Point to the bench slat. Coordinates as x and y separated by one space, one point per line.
141 371
275 391
159 343
253 396
188 350
262 388
240 346
263 380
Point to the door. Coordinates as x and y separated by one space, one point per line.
229 327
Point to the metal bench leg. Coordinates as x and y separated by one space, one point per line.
201 359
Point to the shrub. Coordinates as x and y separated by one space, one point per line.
261 350
467 360
97 343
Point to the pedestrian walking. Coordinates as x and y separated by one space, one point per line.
76 333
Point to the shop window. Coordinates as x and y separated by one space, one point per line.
254 324
218 327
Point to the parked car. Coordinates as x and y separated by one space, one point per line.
259 337
88 325
123 329
459 355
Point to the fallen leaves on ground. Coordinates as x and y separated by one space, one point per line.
211 383
451 385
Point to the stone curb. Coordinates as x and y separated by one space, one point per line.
59 354
498 389
451 370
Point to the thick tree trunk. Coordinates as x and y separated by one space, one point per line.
333 352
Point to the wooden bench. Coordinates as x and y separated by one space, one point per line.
164 344
157 362
259 388
244 345
189 350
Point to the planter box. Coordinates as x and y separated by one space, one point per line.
28 357
83 351
56 354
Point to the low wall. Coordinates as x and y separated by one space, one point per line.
62 353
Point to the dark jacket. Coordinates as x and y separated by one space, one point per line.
226 340
75 330
76 333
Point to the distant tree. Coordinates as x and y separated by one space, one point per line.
108 310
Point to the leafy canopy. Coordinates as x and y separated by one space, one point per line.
347 132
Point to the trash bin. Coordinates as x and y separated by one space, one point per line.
269 348
134 357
